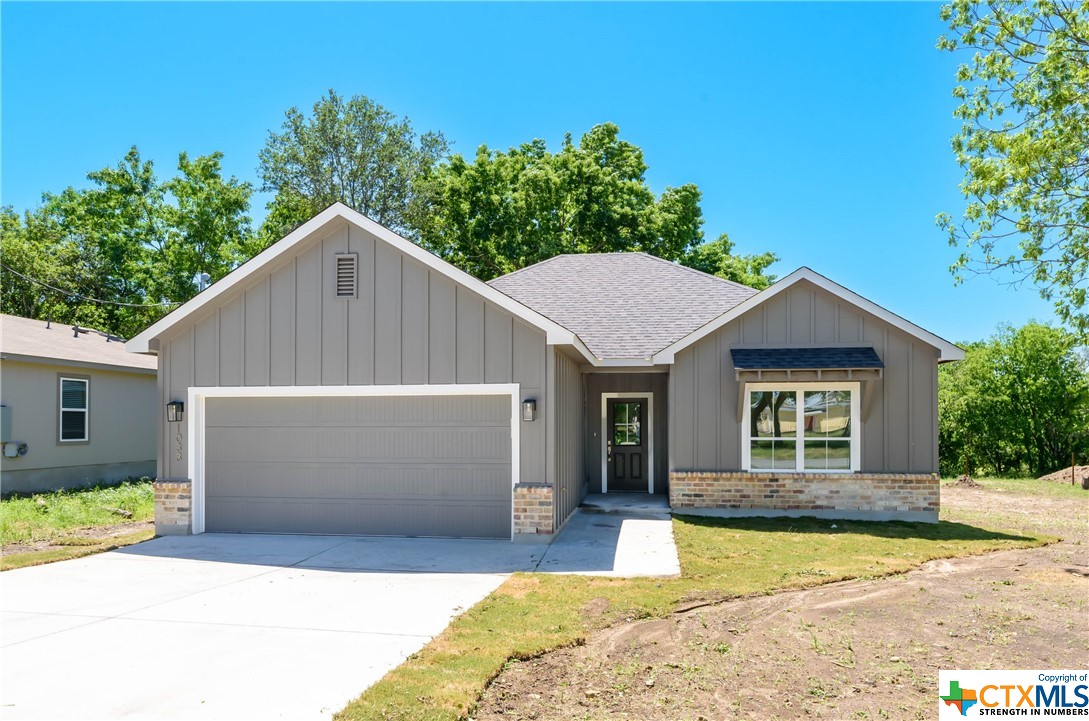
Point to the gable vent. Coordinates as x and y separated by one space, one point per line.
347 275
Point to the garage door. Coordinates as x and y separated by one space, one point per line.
399 466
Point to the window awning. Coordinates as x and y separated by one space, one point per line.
841 358
800 365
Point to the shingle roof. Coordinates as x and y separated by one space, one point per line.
622 305
805 358
28 337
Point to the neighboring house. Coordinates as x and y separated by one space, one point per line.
347 381
76 408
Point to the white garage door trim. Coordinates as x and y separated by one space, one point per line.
198 395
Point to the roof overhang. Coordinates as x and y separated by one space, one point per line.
70 363
947 351
146 342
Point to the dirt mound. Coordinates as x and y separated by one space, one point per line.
966 482
1064 475
856 649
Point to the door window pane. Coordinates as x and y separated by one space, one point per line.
620 413
627 425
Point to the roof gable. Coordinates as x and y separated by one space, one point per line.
144 342
624 306
948 351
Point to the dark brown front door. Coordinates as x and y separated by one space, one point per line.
626 445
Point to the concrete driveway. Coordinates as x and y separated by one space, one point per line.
225 626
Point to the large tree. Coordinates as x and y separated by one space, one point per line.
349 150
207 227
1024 145
506 210
118 254
1017 403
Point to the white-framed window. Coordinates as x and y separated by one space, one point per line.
74 409
805 427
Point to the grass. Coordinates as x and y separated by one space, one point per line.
67 520
46 516
533 613
1031 486
12 561
1026 516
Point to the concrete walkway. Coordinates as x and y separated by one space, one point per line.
614 544
224 626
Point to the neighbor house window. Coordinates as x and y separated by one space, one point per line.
801 427
74 398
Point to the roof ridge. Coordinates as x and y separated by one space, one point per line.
678 264
670 263
528 267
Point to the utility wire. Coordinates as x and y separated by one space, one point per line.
72 294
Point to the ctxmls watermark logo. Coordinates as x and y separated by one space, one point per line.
976 694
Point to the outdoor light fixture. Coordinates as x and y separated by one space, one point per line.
175 411
529 410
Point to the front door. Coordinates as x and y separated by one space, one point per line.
626 445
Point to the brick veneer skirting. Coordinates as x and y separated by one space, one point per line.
533 512
881 496
173 507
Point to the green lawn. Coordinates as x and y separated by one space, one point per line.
1031 486
532 613
68 519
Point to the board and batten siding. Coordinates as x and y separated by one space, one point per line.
569 475
409 325
900 433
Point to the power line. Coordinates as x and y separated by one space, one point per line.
73 294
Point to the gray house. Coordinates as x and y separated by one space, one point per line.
75 408
347 381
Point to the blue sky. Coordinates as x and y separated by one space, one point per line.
818 131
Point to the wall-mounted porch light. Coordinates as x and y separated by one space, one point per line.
175 411
529 410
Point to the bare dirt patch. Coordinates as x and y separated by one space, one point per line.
1080 472
79 537
859 649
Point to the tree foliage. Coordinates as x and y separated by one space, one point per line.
119 253
717 258
352 151
1024 145
1017 403
507 210
116 255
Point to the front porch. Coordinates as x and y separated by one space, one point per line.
626 503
